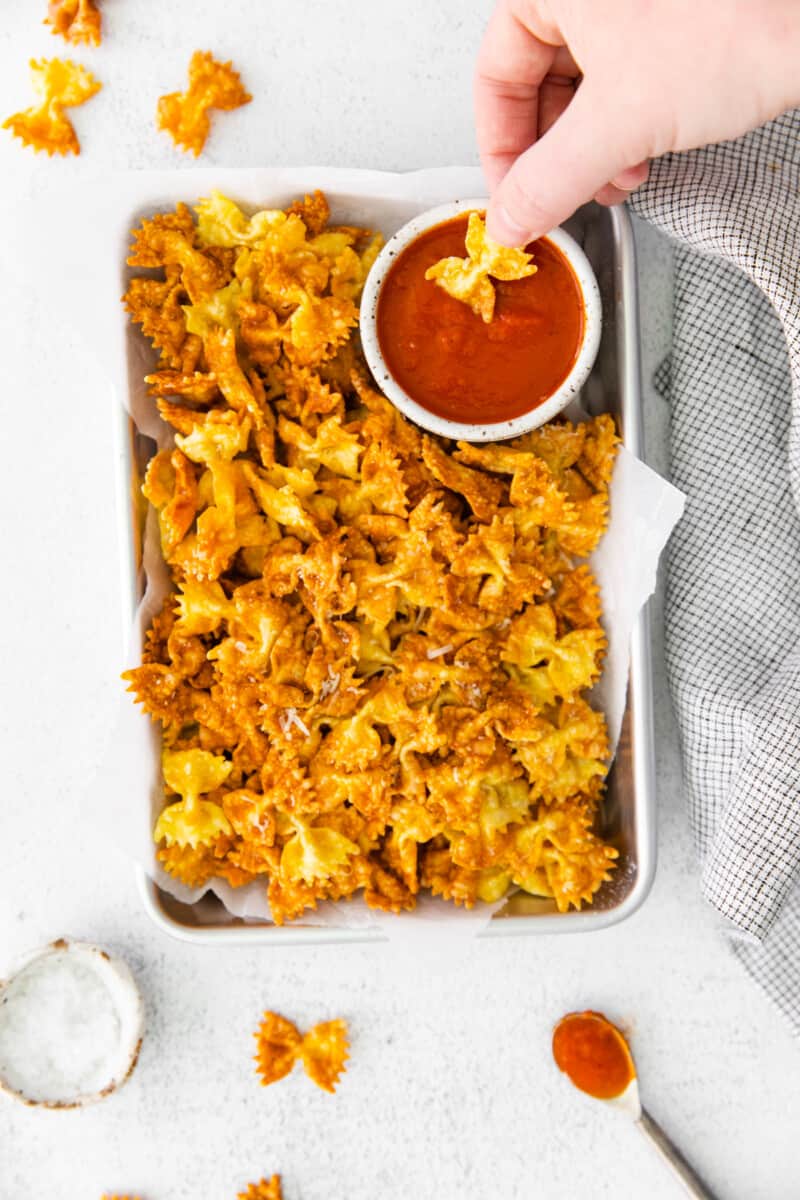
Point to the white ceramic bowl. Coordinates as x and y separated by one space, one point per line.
71 1024
465 431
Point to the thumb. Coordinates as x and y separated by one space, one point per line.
578 155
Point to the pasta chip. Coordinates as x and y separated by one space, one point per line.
76 21
265 1189
278 1044
314 211
324 1053
192 821
60 84
212 84
323 1050
371 677
468 279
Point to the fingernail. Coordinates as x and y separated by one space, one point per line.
504 229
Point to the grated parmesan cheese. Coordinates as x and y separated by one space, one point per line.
288 719
329 685
439 651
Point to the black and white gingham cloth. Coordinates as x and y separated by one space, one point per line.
733 592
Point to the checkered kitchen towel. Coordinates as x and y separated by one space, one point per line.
733 598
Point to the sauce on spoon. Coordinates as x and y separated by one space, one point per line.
594 1054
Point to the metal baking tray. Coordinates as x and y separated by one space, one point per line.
628 817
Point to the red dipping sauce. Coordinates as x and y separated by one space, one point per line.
594 1054
456 365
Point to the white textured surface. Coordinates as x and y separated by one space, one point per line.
450 1092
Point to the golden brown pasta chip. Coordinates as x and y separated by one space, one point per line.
323 1050
278 1044
59 84
212 84
324 1053
77 21
468 279
265 1189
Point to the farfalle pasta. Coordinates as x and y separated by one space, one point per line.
77 21
372 675
212 84
59 84
469 279
265 1189
322 1051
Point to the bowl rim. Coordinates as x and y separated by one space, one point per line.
465 430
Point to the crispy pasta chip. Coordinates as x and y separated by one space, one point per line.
77 21
323 1050
60 84
212 84
265 1189
324 1053
372 677
468 279
278 1044
314 211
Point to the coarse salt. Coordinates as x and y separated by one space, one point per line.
70 1025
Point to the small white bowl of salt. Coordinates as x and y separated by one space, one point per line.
71 1024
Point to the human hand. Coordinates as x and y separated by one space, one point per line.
573 97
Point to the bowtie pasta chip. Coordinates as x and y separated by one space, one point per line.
212 84
265 1189
76 21
60 84
371 678
468 279
323 1050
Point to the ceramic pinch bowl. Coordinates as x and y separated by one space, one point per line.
545 409
71 1025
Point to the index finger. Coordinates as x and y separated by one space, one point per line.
512 64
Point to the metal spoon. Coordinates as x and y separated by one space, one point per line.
629 1103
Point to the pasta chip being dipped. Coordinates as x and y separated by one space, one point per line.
470 279
372 676
323 1050
77 21
60 84
212 84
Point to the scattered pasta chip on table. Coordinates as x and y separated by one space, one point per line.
470 279
371 677
60 84
77 21
266 1189
212 84
323 1050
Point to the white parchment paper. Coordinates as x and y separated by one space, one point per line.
89 278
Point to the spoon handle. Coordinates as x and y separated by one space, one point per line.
674 1159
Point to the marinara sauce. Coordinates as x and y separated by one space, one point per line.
457 365
595 1055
